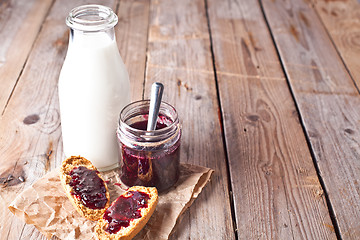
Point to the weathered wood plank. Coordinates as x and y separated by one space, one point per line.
277 194
342 21
30 140
132 34
179 56
20 22
328 102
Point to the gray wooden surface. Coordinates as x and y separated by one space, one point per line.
267 92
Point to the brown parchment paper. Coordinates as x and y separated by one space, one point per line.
46 206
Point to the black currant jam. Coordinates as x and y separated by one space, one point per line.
124 210
150 168
149 158
88 187
162 122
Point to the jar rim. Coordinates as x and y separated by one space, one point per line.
135 109
91 18
147 102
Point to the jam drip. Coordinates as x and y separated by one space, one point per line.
124 209
88 187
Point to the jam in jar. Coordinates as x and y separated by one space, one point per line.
149 158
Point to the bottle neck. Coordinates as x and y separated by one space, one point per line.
90 39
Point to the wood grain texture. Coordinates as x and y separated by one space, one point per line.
328 102
30 141
342 21
20 22
132 34
179 56
277 194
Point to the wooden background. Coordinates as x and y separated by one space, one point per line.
267 92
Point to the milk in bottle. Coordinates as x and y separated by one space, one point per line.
93 87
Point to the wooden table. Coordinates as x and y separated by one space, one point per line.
267 92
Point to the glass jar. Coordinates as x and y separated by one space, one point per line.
149 158
93 87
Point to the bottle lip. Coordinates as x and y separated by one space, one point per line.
91 18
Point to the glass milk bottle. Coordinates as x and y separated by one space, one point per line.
93 87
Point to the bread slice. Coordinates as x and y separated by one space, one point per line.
135 225
89 212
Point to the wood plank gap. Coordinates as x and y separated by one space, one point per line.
328 202
146 55
17 80
117 6
336 48
27 57
146 66
221 121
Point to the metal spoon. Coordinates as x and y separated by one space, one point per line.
155 101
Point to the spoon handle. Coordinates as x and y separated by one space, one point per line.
155 101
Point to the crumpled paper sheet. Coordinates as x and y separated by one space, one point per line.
46 206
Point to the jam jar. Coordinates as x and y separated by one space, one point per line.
149 158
